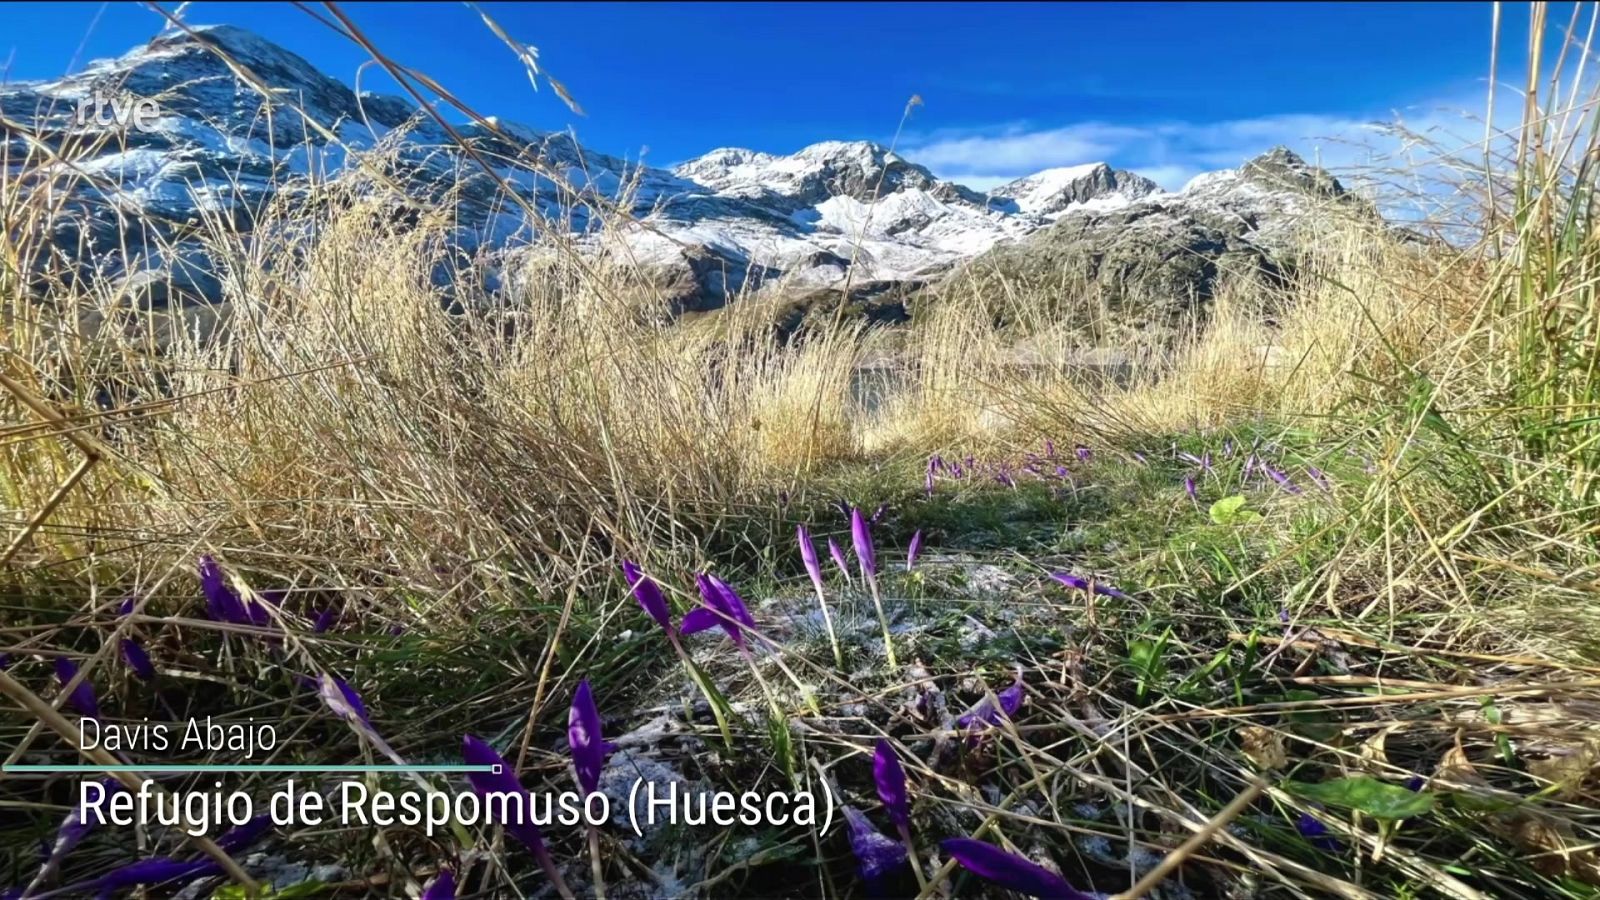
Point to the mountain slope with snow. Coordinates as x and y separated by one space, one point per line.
730 220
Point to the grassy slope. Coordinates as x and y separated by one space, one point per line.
1426 615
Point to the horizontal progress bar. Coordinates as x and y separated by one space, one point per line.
45 768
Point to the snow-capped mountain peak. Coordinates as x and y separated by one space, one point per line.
1056 191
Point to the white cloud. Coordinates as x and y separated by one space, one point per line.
1172 152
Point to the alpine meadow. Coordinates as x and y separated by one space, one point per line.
1075 537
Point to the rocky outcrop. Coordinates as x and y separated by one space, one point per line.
1055 192
1162 256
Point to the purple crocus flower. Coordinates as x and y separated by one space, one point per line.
1318 477
503 781
222 601
5 661
138 661
343 700
985 712
838 558
1249 467
1227 449
1314 831
1282 479
927 483
722 607
808 555
877 854
157 870
82 697
1083 453
1188 457
132 652
1010 871
324 620
442 887
648 593
589 749
913 550
241 837
74 828
1083 584
877 514
861 538
890 779
1049 449
1004 478
1189 487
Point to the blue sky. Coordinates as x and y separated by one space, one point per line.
1169 90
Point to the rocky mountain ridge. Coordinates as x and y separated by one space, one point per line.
730 220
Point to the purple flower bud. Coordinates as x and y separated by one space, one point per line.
74 828
1282 479
1009 870
861 537
891 782
877 855
343 700
1084 453
1083 584
127 604
222 601
1317 833
808 555
1005 479
1227 449
838 558
519 814
138 661
158 870
648 593
1189 487
5 661
82 697
913 550
325 620
1318 478
1188 457
241 837
589 749
985 712
442 887
1049 449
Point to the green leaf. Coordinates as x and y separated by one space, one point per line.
1378 799
1230 511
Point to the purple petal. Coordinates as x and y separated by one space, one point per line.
808 555
82 697
1083 584
521 826
138 661
1011 698
1009 870
158 870
242 837
1189 487
127 604
913 550
589 749
891 782
1318 477
861 537
1317 833
698 620
838 557
1083 453
1282 479
985 712
343 699
648 593
5 661
222 602
325 620
74 828
442 887
876 854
